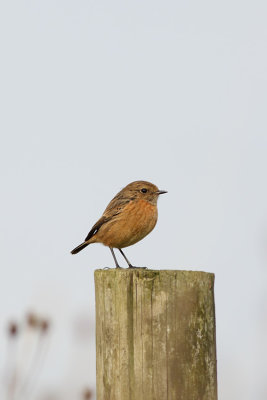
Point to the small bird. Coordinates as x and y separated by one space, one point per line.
128 218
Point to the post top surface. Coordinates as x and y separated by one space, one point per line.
142 272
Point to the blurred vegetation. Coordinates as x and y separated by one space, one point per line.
28 341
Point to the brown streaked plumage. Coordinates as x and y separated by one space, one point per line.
128 218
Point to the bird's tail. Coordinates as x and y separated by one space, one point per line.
79 248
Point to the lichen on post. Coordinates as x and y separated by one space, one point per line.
155 335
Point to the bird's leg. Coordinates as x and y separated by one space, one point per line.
113 254
128 262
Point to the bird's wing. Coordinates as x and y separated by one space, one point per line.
114 208
96 227
117 204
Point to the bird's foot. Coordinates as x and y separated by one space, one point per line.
132 266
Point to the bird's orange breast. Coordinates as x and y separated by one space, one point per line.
133 223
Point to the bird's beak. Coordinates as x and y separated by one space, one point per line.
161 191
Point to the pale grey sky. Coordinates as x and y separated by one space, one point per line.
96 94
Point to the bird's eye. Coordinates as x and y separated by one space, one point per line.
144 190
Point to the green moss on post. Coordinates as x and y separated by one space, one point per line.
155 335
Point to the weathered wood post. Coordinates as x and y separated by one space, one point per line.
155 335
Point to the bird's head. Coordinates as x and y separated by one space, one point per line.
142 190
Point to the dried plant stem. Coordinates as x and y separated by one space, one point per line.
35 367
10 375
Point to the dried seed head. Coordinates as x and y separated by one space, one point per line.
32 320
87 394
12 329
44 325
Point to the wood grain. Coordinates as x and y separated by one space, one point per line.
155 335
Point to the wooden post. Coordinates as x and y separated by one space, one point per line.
155 335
